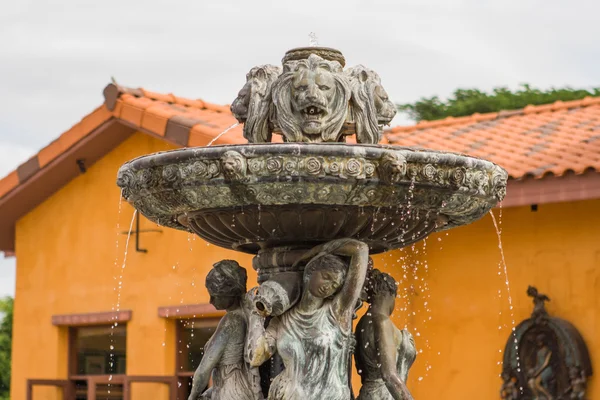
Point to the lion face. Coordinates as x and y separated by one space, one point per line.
371 106
312 93
233 165
252 105
392 167
383 106
311 100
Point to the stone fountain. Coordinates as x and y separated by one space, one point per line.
303 206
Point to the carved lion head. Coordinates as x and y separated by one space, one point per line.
370 107
233 165
392 167
253 105
311 98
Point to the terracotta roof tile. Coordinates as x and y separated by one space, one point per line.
8 183
537 140
177 118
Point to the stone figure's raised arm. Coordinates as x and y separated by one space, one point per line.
261 343
212 354
384 337
345 300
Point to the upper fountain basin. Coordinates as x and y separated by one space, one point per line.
257 196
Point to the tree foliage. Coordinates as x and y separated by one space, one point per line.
465 102
6 320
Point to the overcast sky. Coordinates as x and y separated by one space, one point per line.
57 56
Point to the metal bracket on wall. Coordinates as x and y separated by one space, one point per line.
137 232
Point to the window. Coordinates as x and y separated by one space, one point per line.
192 336
98 361
101 350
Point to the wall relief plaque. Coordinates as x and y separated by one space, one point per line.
545 358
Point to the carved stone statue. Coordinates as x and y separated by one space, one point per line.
311 97
545 357
253 107
539 303
578 383
509 390
384 353
540 375
370 107
224 352
313 338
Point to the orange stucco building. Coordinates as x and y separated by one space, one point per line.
102 313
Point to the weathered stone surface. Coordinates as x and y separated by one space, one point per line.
312 99
248 196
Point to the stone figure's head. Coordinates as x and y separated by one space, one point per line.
311 98
324 275
233 165
532 291
226 284
392 167
371 107
381 290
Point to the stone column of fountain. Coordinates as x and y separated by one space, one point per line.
311 209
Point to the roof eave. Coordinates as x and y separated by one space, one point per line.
552 189
42 182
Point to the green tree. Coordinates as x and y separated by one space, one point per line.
465 102
6 316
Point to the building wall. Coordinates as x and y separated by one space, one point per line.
556 249
70 253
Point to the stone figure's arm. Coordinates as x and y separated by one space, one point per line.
384 337
212 355
261 342
345 300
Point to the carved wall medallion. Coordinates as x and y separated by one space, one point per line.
545 358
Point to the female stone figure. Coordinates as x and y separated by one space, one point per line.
384 353
224 352
313 338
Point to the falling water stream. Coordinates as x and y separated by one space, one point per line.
507 282
118 288
221 134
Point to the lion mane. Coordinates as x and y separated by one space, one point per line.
363 106
253 106
289 123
